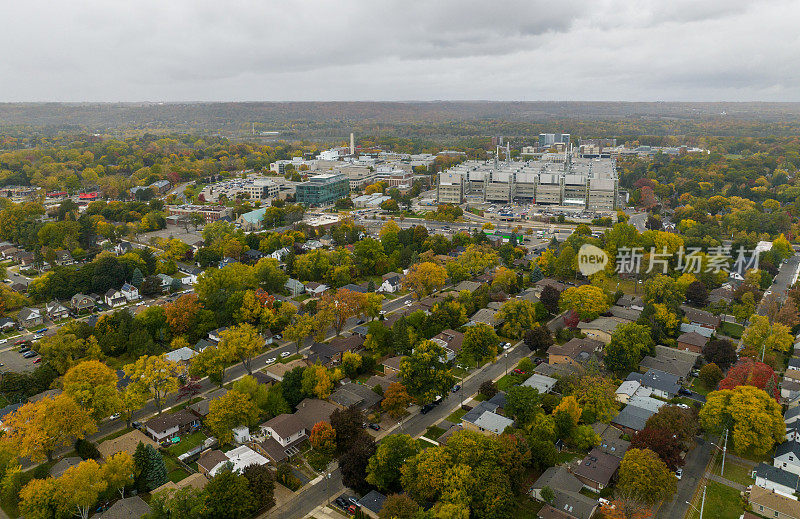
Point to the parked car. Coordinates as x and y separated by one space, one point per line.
342 503
277 336
270 360
37 361
684 391
285 354
679 473
518 371
29 354
114 416
427 408
456 388
375 427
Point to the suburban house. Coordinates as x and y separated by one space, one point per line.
324 354
216 335
575 351
7 323
787 457
776 480
285 429
294 286
355 395
285 432
166 426
601 328
791 415
203 407
130 292
632 419
568 501
56 311
721 294
7 410
772 504
29 317
209 460
213 461
669 360
316 289
64 258
165 280
597 470
631 301
182 355
485 316
630 388
611 441
451 341
699 321
541 383
548 282
123 247
483 418
280 253
390 283
391 366
692 341
81 302
125 443
114 298
469 286
629 314
664 385
253 255
129 507
372 503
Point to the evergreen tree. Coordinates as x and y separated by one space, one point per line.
156 469
141 463
137 277
536 274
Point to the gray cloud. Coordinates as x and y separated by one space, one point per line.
110 50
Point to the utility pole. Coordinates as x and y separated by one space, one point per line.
724 450
702 504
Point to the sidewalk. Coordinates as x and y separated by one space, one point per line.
727 482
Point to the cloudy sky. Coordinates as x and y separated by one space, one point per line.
274 50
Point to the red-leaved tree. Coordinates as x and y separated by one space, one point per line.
748 372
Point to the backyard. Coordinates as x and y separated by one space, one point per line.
722 502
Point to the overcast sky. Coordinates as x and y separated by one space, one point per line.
275 50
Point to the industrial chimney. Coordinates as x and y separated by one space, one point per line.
352 144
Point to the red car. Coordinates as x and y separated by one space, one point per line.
38 360
520 372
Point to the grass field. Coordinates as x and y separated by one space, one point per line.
731 329
433 432
456 416
698 386
735 472
187 443
722 502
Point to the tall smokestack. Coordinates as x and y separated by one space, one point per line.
352 144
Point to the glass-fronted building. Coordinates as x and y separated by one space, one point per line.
323 189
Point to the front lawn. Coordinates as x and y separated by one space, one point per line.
734 330
526 508
433 432
699 387
175 472
722 502
455 417
734 472
509 380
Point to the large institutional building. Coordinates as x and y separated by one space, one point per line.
558 179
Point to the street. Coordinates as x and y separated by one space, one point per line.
696 463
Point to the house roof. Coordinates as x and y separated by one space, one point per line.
451 338
494 422
125 443
674 367
393 362
285 425
352 394
485 315
778 476
471 286
791 413
127 508
578 349
625 313
164 422
774 501
63 464
788 447
539 382
660 381
571 505
203 407
343 344
700 316
632 417
558 285
597 466
310 411
628 387
693 338
127 287
475 413
181 354
558 477
29 313
373 501
628 300
210 459
605 324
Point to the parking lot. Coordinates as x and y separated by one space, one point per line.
12 360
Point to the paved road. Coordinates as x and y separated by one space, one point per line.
638 220
783 281
696 463
415 425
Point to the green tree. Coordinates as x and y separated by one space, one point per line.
588 301
629 343
644 479
522 403
228 412
424 373
480 342
517 316
383 470
753 417
597 397
228 496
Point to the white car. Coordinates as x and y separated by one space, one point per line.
408 303
679 473
114 416
270 360
286 354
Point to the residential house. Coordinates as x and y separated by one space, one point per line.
601 328
664 385
483 418
285 432
791 415
692 341
485 316
81 303
165 280
324 354
700 321
280 254
569 505
776 480
722 294
203 407
670 360
787 457
539 285
64 258
122 247
114 298
30 317
56 311
772 504
630 388
540 382
469 286
252 256
451 341
166 426
794 364
126 508
575 351
372 503
611 441
316 289
182 355
390 283
362 288
355 395
632 419
227 261
555 477
7 324
391 366
6 411
629 314
210 460
631 301
597 469
130 292
63 464
125 443
294 286
215 335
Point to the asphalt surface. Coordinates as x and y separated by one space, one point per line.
783 281
693 471
320 491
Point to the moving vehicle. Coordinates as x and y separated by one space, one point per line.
456 388
679 473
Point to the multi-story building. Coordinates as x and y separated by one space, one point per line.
549 139
323 189
570 182
256 188
211 213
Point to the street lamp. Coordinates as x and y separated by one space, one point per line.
505 355
702 504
